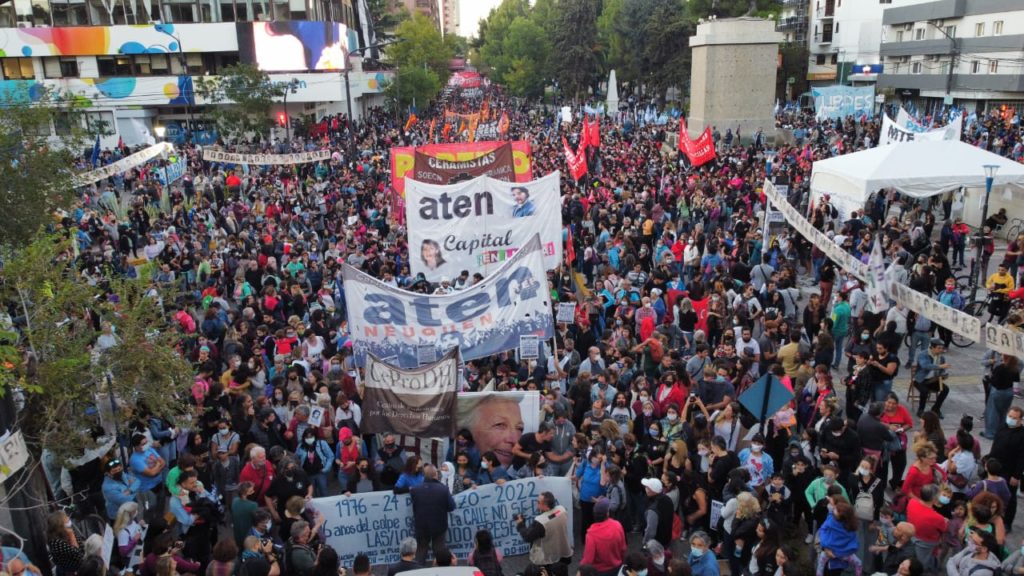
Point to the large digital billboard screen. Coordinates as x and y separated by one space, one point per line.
297 45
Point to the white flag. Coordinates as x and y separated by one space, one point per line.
877 287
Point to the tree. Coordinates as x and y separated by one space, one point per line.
244 95
411 86
421 61
575 42
493 57
528 49
36 167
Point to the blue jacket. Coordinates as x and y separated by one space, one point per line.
706 565
926 367
322 449
590 482
835 537
116 493
431 503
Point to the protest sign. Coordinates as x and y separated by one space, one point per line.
266 159
479 224
418 402
893 133
566 313
376 522
497 164
484 319
529 347
838 102
403 158
168 174
123 165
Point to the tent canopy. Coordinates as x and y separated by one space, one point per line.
917 169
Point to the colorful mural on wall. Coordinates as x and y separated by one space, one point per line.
112 40
104 92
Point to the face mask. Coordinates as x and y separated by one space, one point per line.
648 413
863 471
756 447
696 553
702 452
642 572
269 525
794 454
829 480
644 398
653 431
309 441
67 523
672 417
1011 422
224 431
943 499
483 465
831 508
865 336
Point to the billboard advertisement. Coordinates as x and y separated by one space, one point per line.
294 45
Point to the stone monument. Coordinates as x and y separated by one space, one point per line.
732 76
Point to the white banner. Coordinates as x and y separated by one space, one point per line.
893 133
266 159
876 288
946 316
478 224
1004 340
123 165
907 122
484 319
376 522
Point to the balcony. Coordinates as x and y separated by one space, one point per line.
823 38
791 23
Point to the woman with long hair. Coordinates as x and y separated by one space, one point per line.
225 555
485 556
838 538
166 566
127 530
763 555
65 553
898 419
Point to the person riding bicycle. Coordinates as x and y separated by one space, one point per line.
999 286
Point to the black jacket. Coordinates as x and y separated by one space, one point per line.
1006 447
431 503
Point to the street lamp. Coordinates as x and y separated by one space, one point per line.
160 131
360 51
292 87
979 274
954 53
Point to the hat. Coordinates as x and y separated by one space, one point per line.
656 292
344 434
113 464
602 507
204 348
653 484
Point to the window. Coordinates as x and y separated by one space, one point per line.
114 65
18 69
975 67
951 31
70 13
997 27
885 1
919 34
993 67
899 35
979 29
99 123
60 67
819 59
62 123
834 59
159 64
915 68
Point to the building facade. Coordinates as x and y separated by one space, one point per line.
137 74
450 16
856 38
968 53
822 57
428 8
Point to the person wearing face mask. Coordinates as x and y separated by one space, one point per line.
605 543
316 458
118 487
702 559
1006 448
146 464
840 447
560 455
758 462
292 481
62 542
868 494
929 525
671 424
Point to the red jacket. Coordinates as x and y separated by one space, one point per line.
260 478
605 545
929 524
677 396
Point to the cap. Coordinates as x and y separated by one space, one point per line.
653 484
602 507
204 348
113 464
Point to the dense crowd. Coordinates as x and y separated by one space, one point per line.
682 305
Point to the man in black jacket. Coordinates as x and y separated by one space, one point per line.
1006 448
659 514
431 503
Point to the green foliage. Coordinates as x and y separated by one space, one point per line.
385 20
67 380
252 93
493 58
412 85
35 167
421 62
528 48
575 41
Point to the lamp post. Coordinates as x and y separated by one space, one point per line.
954 53
979 274
292 87
360 51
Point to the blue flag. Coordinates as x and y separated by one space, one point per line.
96 151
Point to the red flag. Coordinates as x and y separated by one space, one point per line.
577 161
699 151
410 122
584 135
595 134
701 308
570 250
444 131
433 124
503 123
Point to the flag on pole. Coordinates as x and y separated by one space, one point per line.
472 128
577 161
503 124
594 135
444 131
409 123
96 152
433 124
570 250
585 134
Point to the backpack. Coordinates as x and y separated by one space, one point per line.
864 503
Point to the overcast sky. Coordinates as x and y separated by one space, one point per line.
471 12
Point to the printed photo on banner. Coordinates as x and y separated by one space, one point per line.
479 224
497 419
566 312
484 319
375 523
266 159
418 402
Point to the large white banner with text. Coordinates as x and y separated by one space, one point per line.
484 319
478 224
376 522
893 133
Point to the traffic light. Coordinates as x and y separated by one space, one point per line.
282 118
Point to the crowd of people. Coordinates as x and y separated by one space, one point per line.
681 305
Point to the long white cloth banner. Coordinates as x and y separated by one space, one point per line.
266 159
893 133
376 522
995 337
803 226
123 165
484 319
480 223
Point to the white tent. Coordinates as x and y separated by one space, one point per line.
917 169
